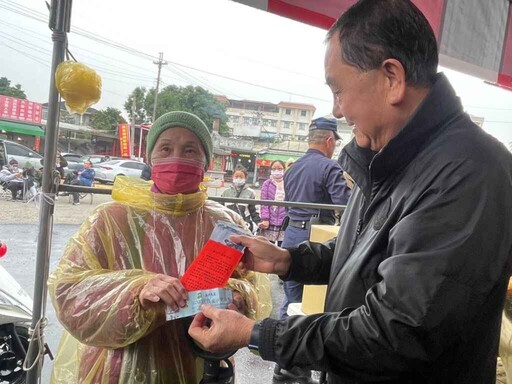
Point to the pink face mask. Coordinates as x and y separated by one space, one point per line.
176 175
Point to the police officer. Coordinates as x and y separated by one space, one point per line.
314 178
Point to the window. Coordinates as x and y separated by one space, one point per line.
247 120
288 111
303 113
132 165
302 126
286 125
16 150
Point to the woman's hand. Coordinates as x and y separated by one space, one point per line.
166 289
238 303
264 224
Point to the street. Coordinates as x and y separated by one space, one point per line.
19 230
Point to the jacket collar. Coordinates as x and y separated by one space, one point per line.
440 106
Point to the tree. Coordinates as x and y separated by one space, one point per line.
141 114
7 90
174 98
105 118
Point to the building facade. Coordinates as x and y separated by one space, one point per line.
263 120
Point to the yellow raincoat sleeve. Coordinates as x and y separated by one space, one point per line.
97 304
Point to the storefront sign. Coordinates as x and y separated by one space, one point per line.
124 140
15 109
231 143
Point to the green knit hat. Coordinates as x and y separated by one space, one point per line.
182 120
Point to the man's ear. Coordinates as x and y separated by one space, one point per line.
394 72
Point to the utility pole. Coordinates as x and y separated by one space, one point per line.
60 22
160 62
132 127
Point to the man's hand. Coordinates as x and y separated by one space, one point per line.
263 256
220 330
163 288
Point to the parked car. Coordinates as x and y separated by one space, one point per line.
11 150
73 157
108 171
77 164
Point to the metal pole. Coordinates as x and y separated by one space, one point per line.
160 62
60 16
140 139
132 128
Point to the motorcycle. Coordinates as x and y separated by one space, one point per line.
15 320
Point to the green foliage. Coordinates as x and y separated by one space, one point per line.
141 115
105 118
174 98
7 90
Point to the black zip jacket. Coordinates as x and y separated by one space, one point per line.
418 274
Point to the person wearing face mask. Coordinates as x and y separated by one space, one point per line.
123 267
11 176
272 217
239 189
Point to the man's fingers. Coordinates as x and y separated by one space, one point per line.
241 239
197 327
198 321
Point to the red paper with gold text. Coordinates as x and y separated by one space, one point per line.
212 268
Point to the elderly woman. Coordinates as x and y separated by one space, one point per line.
123 267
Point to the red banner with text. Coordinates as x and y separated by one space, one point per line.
26 111
124 139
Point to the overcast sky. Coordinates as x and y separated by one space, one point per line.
211 43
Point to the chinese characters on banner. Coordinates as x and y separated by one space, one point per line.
124 139
25 111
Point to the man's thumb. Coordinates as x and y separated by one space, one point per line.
209 311
240 239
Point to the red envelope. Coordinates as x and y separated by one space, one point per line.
212 268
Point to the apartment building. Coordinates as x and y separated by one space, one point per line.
259 119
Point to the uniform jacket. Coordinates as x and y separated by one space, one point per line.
315 178
418 274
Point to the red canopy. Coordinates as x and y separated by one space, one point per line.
474 36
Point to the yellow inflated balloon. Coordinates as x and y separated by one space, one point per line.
79 86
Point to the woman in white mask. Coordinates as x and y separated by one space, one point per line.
272 217
122 268
240 189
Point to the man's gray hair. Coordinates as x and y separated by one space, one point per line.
318 136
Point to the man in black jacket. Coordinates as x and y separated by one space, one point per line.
418 274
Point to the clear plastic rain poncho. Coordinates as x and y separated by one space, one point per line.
110 338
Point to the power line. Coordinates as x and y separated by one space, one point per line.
136 52
25 54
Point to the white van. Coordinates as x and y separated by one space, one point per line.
11 150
